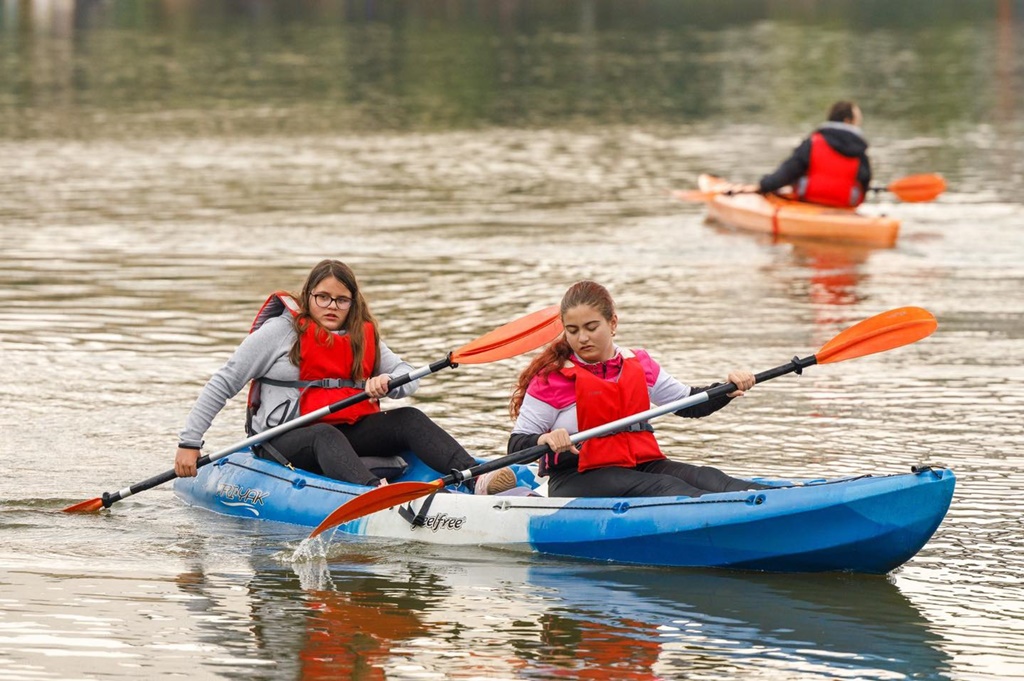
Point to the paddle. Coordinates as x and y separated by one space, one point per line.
885 331
912 189
915 188
700 196
519 336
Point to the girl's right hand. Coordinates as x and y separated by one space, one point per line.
558 441
743 380
185 462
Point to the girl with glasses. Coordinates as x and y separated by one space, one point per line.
309 351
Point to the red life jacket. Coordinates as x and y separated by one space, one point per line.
831 178
599 401
325 367
326 364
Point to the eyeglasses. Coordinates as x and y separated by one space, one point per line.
324 300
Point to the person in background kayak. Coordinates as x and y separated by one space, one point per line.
583 380
830 168
327 332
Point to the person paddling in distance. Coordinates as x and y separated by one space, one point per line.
583 380
830 167
309 351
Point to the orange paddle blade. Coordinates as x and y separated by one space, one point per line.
86 506
693 195
916 188
885 331
519 336
377 499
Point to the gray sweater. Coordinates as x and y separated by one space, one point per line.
264 353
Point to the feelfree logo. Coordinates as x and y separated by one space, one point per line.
443 521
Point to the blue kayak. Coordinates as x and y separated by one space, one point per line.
869 524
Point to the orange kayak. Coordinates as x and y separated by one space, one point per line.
778 216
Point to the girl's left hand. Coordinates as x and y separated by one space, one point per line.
743 380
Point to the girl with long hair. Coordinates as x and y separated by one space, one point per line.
583 380
303 353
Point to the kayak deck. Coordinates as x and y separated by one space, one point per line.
778 216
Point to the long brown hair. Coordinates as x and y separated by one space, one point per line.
358 314
554 356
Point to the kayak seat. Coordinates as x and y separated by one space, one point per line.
386 467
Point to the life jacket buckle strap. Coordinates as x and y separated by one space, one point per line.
338 383
641 427
319 383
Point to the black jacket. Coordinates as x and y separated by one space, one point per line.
844 138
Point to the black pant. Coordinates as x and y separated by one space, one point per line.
651 479
334 450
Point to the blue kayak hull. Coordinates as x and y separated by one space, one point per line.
869 524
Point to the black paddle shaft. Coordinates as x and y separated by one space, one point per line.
110 498
531 454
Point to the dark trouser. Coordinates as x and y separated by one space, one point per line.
651 479
335 450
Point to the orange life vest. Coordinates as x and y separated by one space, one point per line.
831 178
599 402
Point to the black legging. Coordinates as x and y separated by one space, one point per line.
335 450
651 479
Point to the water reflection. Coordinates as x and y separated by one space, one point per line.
818 272
366 618
326 633
125 67
835 271
350 634
834 625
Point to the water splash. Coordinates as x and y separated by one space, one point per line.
311 549
309 561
